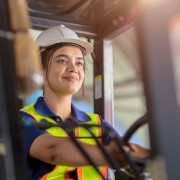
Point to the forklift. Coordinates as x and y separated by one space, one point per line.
157 25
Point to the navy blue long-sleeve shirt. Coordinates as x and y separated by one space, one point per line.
36 167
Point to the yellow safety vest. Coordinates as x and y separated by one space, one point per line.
61 172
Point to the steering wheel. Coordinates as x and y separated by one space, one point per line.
135 164
133 128
130 132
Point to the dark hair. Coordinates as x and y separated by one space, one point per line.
48 52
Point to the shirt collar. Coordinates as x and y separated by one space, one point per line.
42 108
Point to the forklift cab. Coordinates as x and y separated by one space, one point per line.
152 63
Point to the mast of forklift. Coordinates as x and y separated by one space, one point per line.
19 64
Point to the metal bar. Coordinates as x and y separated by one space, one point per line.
98 78
13 164
9 116
103 80
108 81
83 30
157 66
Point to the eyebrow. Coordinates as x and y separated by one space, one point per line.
66 56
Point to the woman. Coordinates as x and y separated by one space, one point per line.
50 153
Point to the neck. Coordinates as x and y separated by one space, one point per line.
60 105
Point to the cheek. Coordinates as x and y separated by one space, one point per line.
82 75
52 74
56 71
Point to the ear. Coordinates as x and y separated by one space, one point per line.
44 72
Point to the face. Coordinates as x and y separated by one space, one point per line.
66 71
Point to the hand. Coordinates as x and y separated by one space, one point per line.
115 153
138 151
132 149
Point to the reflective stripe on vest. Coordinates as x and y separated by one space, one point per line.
60 172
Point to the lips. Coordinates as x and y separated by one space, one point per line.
71 78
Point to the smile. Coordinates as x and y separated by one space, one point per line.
71 79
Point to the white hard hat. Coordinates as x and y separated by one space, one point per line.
61 34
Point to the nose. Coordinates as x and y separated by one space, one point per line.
72 68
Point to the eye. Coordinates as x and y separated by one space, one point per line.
80 63
62 61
